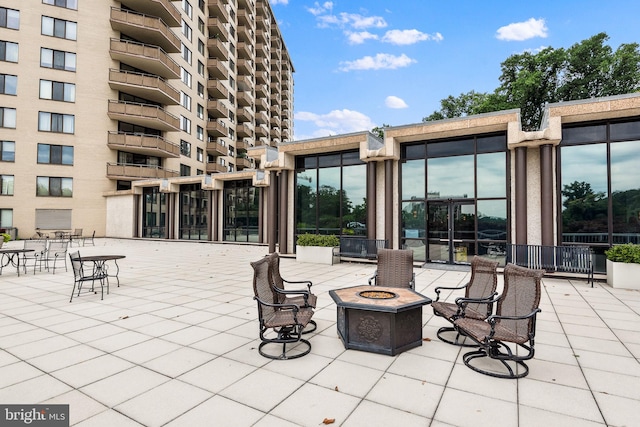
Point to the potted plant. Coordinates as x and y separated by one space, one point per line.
623 266
4 238
317 248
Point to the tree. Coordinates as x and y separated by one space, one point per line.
529 81
379 130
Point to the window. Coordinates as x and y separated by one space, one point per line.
8 84
6 217
8 118
201 90
200 156
54 122
7 151
6 185
185 148
201 68
57 59
201 47
57 91
185 170
201 25
185 101
186 53
55 154
200 133
185 124
68 4
8 51
186 6
185 77
200 112
54 186
9 18
59 28
201 5
186 30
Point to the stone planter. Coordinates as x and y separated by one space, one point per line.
316 254
623 275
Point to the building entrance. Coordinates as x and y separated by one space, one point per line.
451 231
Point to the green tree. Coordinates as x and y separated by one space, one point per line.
379 130
462 105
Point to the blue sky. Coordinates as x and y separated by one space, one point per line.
365 63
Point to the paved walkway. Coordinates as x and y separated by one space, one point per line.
176 345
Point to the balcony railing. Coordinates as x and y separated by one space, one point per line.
216 168
217 28
143 114
217 109
215 148
216 128
153 145
217 48
130 171
162 8
149 86
151 29
217 89
216 8
217 68
150 58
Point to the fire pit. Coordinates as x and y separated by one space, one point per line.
379 319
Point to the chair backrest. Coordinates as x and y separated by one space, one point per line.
274 263
520 296
395 268
483 283
76 263
36 245
57 248
77 232
262 286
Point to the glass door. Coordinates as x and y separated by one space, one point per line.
451 231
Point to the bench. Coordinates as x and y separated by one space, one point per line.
561 259
356 247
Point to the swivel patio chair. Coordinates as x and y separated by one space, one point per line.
395 269
299 297
481 286
508 335
36 257
56 251
80 276
280 324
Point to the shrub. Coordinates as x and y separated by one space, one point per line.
5 237
628 253
318 240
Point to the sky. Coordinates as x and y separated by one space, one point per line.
366 63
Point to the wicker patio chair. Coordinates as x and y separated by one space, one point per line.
80 276
395 269
280 324
36 257
508 335
56 251
481 286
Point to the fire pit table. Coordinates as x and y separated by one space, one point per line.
379 319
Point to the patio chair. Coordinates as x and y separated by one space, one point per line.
76 236
481 286
36 257
508 335
56 251
89 239
395 269
280 324
80 276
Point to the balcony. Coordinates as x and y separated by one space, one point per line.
245 50
275 121
262 130
216 168
262 77
243 163
151 29
275 132
262 90
244 130
243 144
217 48
161 8
148 86
244 114
244 83
262 104
217 109
217 9
286 134
262 63
262 35
261 50
150 58
217 28
146 115
132 172
150 145
215 148
262 117
217 68
245 34
245 66
244 99
217 89
216 128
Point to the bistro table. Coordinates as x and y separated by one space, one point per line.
12 256
99 261
379 319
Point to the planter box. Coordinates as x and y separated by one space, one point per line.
623 275
316 254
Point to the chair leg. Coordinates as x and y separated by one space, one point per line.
512 372
458 340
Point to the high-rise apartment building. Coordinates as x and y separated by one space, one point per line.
97 94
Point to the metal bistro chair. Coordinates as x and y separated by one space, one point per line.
76 236
395 269
36 257
79 276
508 335
56 251
482 286
89 239
280 324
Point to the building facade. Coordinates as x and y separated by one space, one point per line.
96 95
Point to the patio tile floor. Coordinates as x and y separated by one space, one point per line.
176 345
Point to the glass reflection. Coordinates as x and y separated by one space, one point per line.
354 203
329 200
492 175
413 219
413 179
306 202
625 191
450 177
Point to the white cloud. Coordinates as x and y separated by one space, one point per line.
360 37
336 122
347 20
380 61
395 102
319 9
273 2
519 31
405 37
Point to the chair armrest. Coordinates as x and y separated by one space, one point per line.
451 288
293 307
412 283
462 302
492 319
291 291
373 278
299 282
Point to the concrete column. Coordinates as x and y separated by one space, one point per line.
521 195
283 216
371 200
215 216
210 215
260 214
388 202
272 212
546 194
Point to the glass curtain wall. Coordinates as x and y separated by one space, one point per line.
331 194
193 212
241 211
600 186
454 199
154 213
